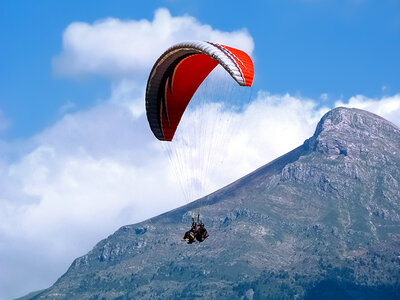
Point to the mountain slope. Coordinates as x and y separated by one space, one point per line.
321 221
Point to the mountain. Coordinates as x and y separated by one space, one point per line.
322 221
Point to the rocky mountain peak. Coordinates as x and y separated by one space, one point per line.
353 132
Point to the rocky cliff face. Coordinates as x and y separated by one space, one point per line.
322 221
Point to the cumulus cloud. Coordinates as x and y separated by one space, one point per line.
270 126
129 93
113 47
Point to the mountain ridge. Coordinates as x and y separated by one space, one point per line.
322 219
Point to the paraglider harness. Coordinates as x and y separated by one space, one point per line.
197 232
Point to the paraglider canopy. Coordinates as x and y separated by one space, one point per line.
178 73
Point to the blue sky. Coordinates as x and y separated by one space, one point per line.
77 158
341 48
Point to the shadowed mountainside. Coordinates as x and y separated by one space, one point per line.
322 221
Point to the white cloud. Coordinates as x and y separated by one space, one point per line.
113 47
129 94
269 127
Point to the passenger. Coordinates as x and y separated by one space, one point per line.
201 233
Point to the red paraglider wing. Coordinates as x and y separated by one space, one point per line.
178 73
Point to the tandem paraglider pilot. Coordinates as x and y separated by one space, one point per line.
197 232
